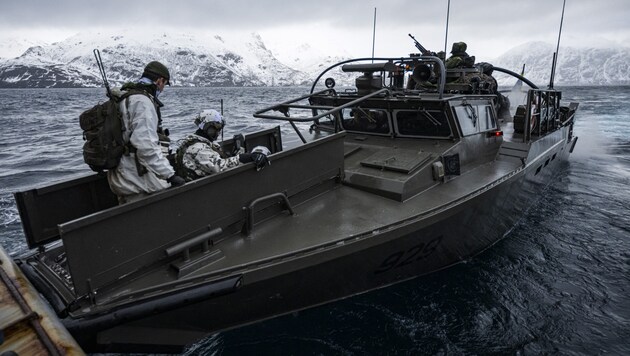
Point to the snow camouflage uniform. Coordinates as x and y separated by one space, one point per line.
197 157
146 170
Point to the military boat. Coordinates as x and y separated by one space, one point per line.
412 169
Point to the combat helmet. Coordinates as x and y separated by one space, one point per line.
157 70
459 48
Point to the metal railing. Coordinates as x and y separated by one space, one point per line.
319 111
285 107
398 61
542 113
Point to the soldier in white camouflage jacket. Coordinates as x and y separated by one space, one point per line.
198 155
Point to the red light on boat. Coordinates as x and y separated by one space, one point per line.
495 133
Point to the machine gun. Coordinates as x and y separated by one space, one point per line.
424 51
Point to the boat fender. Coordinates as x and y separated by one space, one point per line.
159 304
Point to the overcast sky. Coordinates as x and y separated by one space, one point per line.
489 27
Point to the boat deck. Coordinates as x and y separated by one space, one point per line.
349 214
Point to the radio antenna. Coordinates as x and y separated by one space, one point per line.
373 35
448 13
101 68
555 55
223 128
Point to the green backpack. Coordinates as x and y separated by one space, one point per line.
103 128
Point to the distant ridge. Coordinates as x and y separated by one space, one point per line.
576 66
192 59
215 60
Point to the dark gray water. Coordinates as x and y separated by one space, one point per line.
558 284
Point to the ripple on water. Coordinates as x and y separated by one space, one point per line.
558 284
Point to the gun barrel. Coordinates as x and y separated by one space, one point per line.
418 45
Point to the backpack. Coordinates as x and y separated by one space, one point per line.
103 128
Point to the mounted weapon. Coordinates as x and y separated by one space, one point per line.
424 51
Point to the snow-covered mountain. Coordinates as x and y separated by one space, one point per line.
575 66
13 47
193 60
216 60
304 57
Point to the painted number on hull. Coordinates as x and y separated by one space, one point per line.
413 254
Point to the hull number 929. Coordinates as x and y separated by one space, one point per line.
413 254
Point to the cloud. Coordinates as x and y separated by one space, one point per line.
485 14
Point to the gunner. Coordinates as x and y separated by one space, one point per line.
459 57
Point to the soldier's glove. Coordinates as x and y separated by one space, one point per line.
260 160
258 156
176 180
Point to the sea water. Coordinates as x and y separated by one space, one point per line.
559 283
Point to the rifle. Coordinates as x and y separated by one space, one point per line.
101 68
424 51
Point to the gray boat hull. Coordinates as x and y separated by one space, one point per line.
389 183
413 248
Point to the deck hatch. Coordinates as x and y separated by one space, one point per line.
397 160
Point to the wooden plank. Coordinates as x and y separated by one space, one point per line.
28 324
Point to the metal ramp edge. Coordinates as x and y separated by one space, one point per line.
513 152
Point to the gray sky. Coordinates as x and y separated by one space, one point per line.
490 27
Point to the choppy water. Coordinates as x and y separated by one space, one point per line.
558 284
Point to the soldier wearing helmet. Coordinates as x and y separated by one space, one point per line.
459 57
198 155
145 169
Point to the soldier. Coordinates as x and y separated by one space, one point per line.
197 155
145 170
459 57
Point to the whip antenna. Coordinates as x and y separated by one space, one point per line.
555 55
222 129
101 68
448 12
373 35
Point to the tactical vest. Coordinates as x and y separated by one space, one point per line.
178 159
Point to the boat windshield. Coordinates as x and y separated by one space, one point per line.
374 121
406 123
422 123
475 117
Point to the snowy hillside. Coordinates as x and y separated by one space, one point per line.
193 61
14 47
304 57
576 66
216 60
